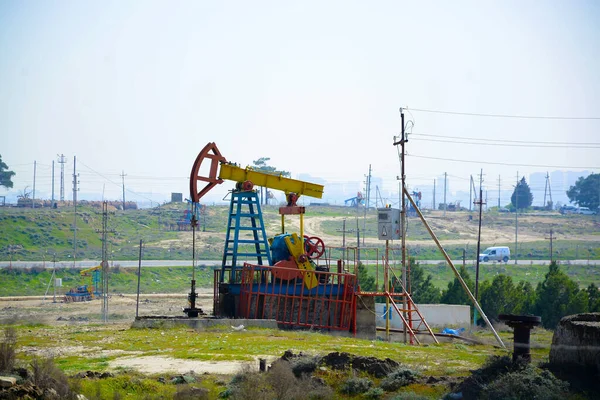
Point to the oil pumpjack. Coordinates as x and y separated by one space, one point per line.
246 236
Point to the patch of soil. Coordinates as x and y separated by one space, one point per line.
157 365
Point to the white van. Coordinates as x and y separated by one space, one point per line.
501 253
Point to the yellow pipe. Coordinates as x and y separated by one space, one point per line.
282 223
302 230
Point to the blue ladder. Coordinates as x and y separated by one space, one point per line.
245 216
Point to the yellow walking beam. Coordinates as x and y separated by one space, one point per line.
277 182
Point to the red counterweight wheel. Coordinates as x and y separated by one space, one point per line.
313 246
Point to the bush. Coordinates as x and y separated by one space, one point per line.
409 396
354 386
282 379
526 384
7 350
400 377
374 393
185 392
285 385
48 377
248 385
304 365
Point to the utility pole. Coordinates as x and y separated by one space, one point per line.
547 189
75 189
62 161
52 183
34 171
434 207
137 301
551 253
486 199
402 143
498 191
471 193
445 204
105 261
480 203
54 278
357 240
123 178
517 220
368 189
344 236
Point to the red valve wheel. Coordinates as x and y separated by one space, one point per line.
314 246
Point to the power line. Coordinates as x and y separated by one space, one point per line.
501 163
506 141
503 115
115 183
571 146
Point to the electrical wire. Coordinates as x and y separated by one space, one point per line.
563 146
502 115
506 140
501 163
115 183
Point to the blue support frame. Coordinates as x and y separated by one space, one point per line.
245 215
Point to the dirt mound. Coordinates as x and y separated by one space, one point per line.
342 361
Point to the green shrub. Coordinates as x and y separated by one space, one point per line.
374 393
285 385
409 396
354 386
402 376
282 379
187 392
529 383
248 385
7 350
304 365
48 377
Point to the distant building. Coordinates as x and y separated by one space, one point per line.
176 197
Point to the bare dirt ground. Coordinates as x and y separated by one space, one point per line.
122 309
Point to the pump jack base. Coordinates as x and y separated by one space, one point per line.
193 312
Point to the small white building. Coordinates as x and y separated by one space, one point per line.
436 315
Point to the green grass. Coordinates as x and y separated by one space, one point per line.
34 281
38 234
185 343
93 347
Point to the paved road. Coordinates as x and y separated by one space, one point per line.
183 263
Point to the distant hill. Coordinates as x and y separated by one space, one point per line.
37 234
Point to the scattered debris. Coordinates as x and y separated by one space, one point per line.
94 375
83 319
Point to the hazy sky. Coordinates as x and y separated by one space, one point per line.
142 86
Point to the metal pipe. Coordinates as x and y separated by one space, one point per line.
386 268
137 301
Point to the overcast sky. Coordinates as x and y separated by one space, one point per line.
142 86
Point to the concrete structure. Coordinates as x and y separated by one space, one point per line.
365 319
436 315
576 343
